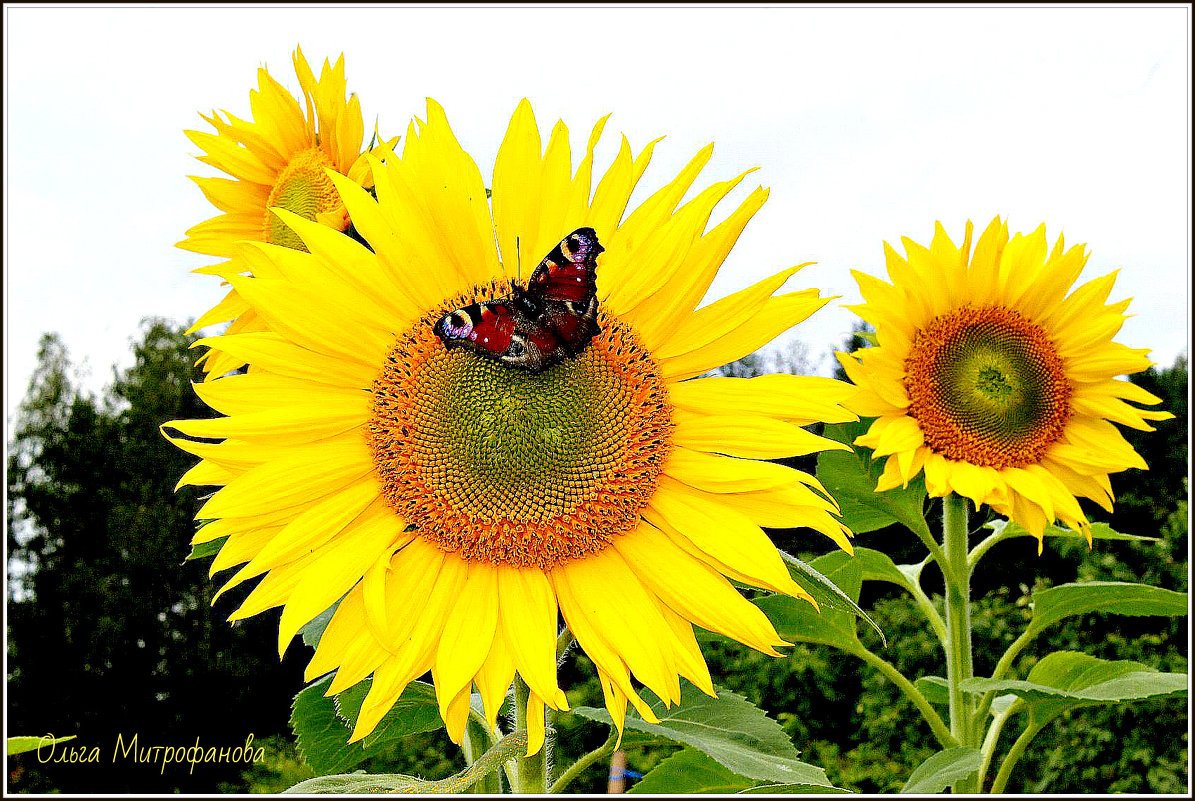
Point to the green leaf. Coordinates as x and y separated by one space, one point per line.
851 478
205 550
20 745
730 729
312 632
827 594
879 566
323 737
361 782
795 619
935 689
1112 597
1066 679
324 725
942 770
415 711
1099 531
691 771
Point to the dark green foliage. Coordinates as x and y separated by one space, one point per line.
109 631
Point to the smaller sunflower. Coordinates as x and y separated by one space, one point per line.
279 159
994 381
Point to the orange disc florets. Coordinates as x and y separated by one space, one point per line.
494 463
987 387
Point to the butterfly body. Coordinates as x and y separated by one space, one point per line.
552 319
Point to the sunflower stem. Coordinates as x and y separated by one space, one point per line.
575 769
927 609
988 749
532 772
943 735
959 665
476 744
563 642
927 538
1014 755
1003 666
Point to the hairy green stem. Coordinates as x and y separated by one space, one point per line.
931 614
927 538
959 665
563 642
485 764
983 547
988 749
531 773
941 732
1014 755
1003 666
478 740
575 769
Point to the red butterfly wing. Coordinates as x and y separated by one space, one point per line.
484 327
569 271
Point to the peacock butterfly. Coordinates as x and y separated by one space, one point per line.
555 317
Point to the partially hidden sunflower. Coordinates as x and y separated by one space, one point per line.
455 505
278 159
995 379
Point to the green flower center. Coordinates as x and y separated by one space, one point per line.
303 188
531 444
987 387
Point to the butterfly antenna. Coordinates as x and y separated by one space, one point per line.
518 261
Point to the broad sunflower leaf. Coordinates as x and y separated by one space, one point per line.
205 550
942 770
323 737
879 566
730 729
935 689
851 478
312 632
1099 531
21 745
323 725
691 771
796 620
361 782
415 711
1112 597
1067 679
828 594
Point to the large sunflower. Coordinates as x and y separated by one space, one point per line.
457 504
993 380
279 159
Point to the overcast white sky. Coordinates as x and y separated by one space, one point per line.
867 124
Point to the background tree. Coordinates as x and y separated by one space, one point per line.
109 631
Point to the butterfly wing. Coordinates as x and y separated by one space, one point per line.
569 271
486 328
505 331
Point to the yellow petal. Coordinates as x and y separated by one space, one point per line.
751 437
694 590
468 633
